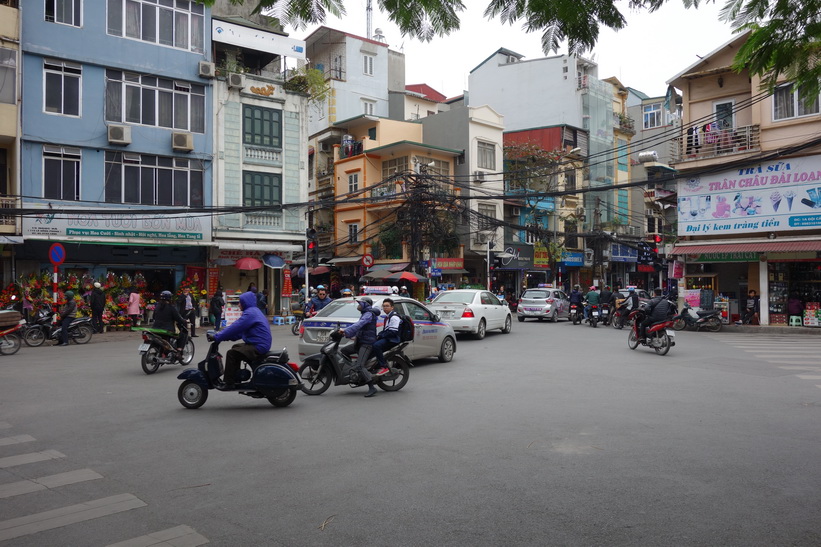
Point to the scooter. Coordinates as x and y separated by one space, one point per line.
620 318
271 377
660 336
42 329
331 365
708 319
10 340
605 314
575 314
594 315
159 348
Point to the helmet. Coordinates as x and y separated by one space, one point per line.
320 287
404 288
347 291
592 287
69 294
631 289
576 287
395 289
165 295
366 299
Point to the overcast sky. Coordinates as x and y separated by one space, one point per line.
652 48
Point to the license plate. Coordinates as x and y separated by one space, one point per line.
322 337
595 313
671 333
143 347
604 312
533 309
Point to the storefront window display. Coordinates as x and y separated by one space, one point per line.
794 292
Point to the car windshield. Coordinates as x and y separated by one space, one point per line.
455 297
341 309
536 294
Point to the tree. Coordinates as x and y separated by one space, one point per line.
784 39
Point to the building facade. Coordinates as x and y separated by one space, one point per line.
10 97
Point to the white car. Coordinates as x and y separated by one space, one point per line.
474 311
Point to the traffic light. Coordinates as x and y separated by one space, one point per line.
311 248
497 262
657 239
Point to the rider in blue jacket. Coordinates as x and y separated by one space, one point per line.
318 302
252 327
365 332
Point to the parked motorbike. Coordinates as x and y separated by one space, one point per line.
42 329
331 365
159 348
575 314
594 315
708 319
660 336
271 377
10 339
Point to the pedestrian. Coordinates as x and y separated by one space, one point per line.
97 302
751 309
188 310
262 301
252 287
67 314
135 301
215 308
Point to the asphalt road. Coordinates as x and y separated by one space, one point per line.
552 435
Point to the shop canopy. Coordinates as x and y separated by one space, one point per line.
748 247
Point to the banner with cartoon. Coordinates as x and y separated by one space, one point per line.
764 197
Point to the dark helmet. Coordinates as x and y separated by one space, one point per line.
69 295
366 299
165 295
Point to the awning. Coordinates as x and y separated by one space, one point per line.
456 272
754 247
270 247
345 260
11 240
391 266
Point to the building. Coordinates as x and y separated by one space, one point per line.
9 136
117 117
749 166
417 101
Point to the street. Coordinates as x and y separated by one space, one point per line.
552 435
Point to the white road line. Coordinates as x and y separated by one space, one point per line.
179 536
32 457
64 516
17 439
809 376
50 481
808 369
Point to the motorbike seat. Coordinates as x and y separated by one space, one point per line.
704 313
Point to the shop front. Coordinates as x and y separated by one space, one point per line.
623 264
451 272
512 276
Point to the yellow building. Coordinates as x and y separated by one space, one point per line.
9 133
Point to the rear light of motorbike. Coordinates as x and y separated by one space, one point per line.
467 314
145 337
293 366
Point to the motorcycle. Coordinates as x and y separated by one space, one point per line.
620 318
660 336
605 314
594 315
271 377
42 329
159 348
575 314
331 365
10 339
709 319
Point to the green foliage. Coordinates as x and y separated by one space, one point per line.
309 81
390 235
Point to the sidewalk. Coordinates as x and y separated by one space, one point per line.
768 329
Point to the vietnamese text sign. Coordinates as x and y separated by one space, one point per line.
761 197
115 226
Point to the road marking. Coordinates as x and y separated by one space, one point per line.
17 439
5 425
808 369
32 457
809 376
50 481
178 536
64 516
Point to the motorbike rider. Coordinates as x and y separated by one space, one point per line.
632 301
317 302
658 309
252 327
593 299
388 337
607 296
347 293
166 315
403 291
365 332
67 314
576 297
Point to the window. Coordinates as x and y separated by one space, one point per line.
8 76
652 115
487 216
724 115
177 24
62 87
368 65
622 154
66 12
394 166
416 312
353 233
261 189
486 153
570 179
791 102
368 106
61 173
153 180
149 100
261 126
353 183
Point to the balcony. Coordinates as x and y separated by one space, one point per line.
721 143
263 220
350 149
624 123
8 223
262 156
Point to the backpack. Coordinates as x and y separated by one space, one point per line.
406 330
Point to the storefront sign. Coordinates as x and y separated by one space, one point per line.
541 258
521 257
448 263
573 259
675 269
693 297
236 254
724 257
213 280
119 226
761 197
622 253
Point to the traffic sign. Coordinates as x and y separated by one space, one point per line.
57 254
367 260
436 272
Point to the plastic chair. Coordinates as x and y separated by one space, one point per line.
278 320
795 321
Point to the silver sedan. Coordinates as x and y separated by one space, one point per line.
543 304
474 311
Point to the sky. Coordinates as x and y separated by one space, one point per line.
652 48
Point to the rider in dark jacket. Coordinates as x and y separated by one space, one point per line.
318 302
166 315
658 309
365 332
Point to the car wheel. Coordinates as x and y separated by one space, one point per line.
447 350
481 331
508 325
555 317
521 319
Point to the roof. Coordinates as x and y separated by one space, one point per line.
323 30
637 93
236 19
427 92
704 60
416 144
503 51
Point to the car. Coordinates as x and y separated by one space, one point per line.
643 295
474 311
544 303
432 337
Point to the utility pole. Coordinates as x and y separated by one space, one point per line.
597 258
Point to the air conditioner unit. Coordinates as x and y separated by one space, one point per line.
480 176
325 146
119 134
206 69
516 211
633 231
605 253
481 239
182 142
236 81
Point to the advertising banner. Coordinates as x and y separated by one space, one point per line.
762 197
118 227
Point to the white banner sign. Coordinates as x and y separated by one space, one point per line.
766 197
118 227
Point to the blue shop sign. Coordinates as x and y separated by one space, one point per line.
623 253
573 259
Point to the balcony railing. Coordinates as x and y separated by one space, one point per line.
257 154
264 220
8 220
738 140
350 149
624 123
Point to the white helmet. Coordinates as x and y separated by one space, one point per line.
404 288
395 289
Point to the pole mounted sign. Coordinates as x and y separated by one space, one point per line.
367 260
57 254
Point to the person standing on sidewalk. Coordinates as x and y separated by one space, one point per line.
97 302
67 314
188 310
135 307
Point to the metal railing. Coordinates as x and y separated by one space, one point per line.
262 155
265 220
8 220
738 140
